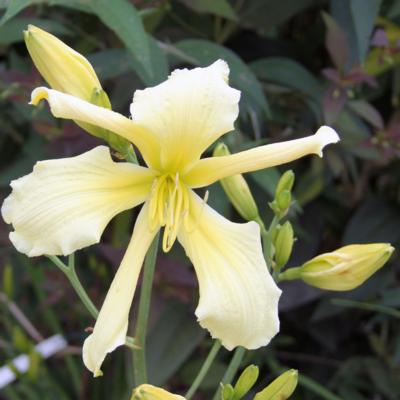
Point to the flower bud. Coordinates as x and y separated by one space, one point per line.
237 190
63 68
150 392
227 392
281 388
347 267
69 72
283 244
246 381
286 182
283 200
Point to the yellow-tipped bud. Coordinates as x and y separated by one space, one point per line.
345 268
283 244
237 190
69 72
63 68
150 392
281 388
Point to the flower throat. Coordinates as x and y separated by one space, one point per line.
169 207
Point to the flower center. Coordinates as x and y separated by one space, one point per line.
169 207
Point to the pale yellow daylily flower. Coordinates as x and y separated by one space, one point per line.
65 204
150 392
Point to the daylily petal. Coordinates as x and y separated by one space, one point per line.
188 112
69 107
65 204
212 169
112 322
238 297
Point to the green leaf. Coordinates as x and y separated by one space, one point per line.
241 77
121 17
110 63
16 6
357 18
263 15
376 220
11 31
221 8
288 73
171 341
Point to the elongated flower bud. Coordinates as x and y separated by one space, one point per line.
69 72
345 268
284 244
63 68
246 381
150 392
237 190
281 388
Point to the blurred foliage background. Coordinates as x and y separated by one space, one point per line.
299 64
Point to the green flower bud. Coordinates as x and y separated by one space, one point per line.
150 392
286 182
281 388
283 200
246 381
227 392
237 190
283 244
345 268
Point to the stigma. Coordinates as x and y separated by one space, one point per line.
169 207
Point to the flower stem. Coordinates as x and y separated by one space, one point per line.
232 369
290 274
266 236
70 273
139 354
204 369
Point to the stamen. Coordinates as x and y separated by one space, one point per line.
169 207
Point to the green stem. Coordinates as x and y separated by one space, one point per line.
139 354
317 388
232 369
204 369
75 282
266 236
290 274
366 306
70 273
